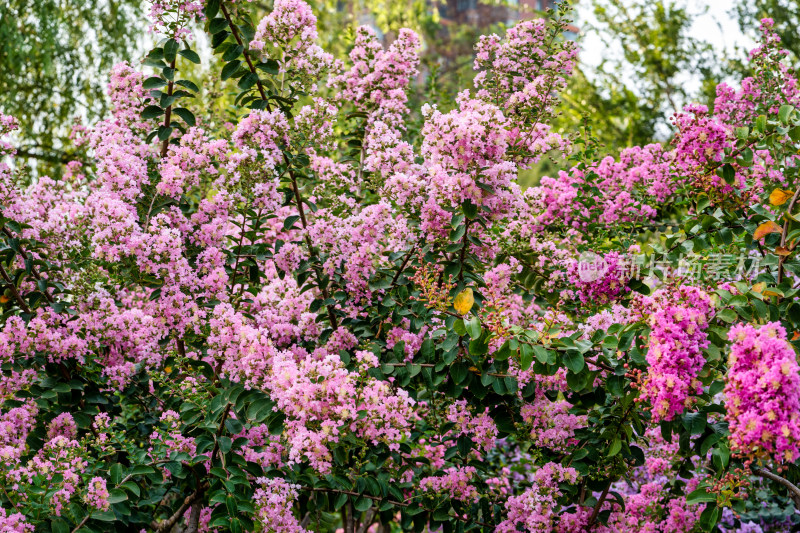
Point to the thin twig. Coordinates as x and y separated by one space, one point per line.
34 272
14 290
351 493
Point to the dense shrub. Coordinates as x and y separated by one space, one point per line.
318 318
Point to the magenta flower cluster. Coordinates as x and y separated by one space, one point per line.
763 393
678 321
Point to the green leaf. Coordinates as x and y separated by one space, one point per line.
270 67
170 49
224 444
116 496
761 123
247 81
784 113
695 423
191 55
362 504
728 174
152 111
233 52
104 516
542 355
457 234
727 315
230 69
212 8
470 209
701 495
478 346
115 473
473 327
290 220
185 114
616 446
142 469
502 353
217 25
459 372
230 504
526 356
573 360
153 82
709 517
164 132
132 487
57 525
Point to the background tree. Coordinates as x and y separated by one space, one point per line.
55 57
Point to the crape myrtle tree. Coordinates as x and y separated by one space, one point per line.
307 323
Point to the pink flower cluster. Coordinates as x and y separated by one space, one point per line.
97 494
288 34
537 509
168 439
480 429
516 73
552 425
265 133
456 483
599 279
321 399
763 393
608 192
14 523
172 17
127 95
273 501
7 190
678 320
63 425
378 80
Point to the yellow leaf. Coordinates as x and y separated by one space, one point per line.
780 250
4 299
771 293
463 302
779 197
765 229
758 287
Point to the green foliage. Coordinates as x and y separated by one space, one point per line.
55 58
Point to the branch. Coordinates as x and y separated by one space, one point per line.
403 265
597 506
351 493
295 189
14 291
168 114
165 525
794 491
33 268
